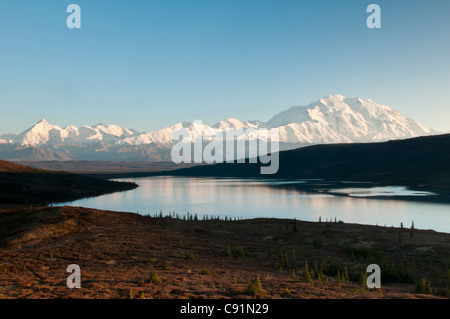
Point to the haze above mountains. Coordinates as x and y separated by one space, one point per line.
333 119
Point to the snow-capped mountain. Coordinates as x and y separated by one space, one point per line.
43 133
164 136
233 123
333 119
337 119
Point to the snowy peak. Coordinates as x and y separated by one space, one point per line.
41 133
331 119
42 122
232 123
44 133
113 130
337 119
164 136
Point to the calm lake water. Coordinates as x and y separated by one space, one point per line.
243 198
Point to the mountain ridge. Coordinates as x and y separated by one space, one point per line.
332 119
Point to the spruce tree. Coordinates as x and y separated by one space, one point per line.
285 260
294 263
294 275
306 275
316 270
321 273
345 275
363 279
281 258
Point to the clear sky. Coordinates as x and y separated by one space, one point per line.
147 64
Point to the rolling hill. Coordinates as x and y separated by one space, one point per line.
421 161
25 186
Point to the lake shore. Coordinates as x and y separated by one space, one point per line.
118 253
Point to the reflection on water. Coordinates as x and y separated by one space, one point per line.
259 198
381 191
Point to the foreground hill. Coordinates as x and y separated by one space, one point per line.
125 255
418 161
24 185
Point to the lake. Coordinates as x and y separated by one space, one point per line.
252 198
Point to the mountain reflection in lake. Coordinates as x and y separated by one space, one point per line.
244 198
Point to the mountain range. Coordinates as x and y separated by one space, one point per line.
330 120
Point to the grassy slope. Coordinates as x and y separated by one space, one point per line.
118 252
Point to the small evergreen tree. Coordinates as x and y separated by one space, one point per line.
281 257
154 278
363 279
321 273
254 288
190 256
294 276
285 260
286 292
306 275
424 286
205 272
316 270
345 275
293 263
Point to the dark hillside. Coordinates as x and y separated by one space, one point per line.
24 185
417 161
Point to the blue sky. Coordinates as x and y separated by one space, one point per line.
149 64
